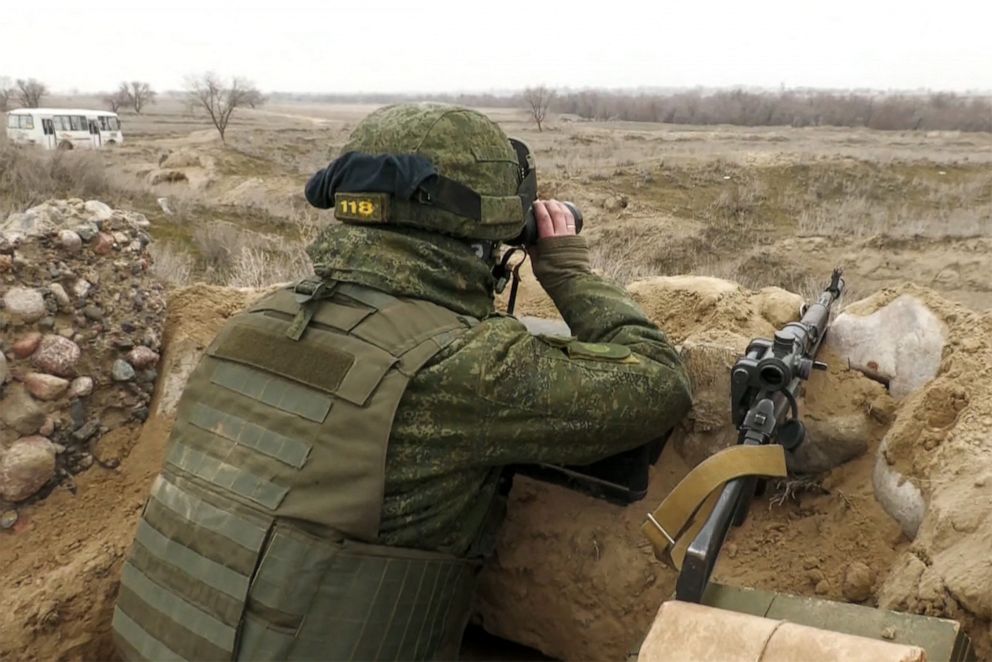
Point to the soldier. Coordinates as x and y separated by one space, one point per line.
332 481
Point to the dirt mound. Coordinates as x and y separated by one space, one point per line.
939 443
82 327
60 563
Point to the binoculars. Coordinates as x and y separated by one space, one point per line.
528 236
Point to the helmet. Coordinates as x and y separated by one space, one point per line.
439 167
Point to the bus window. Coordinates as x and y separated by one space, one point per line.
27 121
103 123
61 122
115 124
12 122
77 122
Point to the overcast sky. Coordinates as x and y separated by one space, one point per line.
447 45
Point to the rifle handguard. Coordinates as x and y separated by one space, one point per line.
674 523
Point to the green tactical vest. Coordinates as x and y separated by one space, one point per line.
257 541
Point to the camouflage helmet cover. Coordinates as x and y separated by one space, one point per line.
463 145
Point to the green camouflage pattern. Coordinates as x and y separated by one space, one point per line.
499 395
463 144
406 262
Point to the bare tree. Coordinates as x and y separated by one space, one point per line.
255 98
30 92
121 97
6 92
210 94
538 100
138 94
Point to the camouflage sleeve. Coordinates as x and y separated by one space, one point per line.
595 309
500 395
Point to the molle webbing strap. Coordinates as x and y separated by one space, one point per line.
185 583
348 601
449 195
674 524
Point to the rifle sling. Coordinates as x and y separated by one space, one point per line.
674 523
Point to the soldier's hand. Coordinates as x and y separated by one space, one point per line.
553 219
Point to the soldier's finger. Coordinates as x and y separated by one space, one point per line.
559 216
545 226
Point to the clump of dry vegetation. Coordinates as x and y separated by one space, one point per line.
29 176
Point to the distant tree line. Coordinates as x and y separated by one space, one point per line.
943 111
886 111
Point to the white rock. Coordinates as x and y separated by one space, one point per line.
98 211
25 303
25 468
899 497
163 203
70 240
81 288
901 342
81 387
138 220
35 222
60 295
4 370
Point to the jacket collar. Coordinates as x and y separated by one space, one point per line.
406 262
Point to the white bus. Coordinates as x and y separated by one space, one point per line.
64 128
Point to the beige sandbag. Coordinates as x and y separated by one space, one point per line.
686 632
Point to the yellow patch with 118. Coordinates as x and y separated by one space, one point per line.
361 207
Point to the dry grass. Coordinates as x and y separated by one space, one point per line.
29 176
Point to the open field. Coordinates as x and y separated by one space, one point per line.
763 206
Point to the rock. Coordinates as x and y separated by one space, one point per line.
8 519
86 231
122 371
120 238
830 443
900 343
163 204
45 387
138 220
81 288
4 370
81 387
858 582
35 222
86 431
70 241
142 357
6 263
98 211
26 345
20 412
899 496
25 303
103 244
93 313
61 296
47 428
25 468
822 587
57 356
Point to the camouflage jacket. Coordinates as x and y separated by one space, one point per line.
499 395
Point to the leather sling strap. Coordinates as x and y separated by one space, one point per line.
674 523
